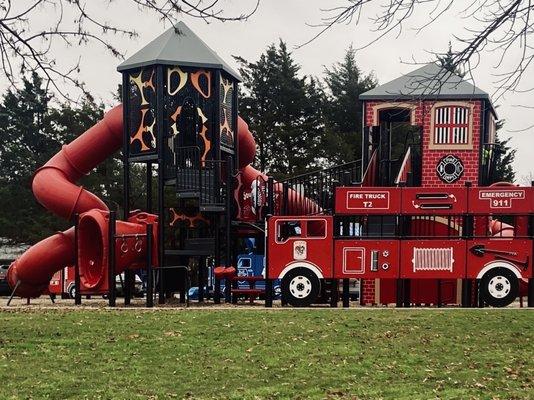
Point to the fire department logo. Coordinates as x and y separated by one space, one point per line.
299 250
450 168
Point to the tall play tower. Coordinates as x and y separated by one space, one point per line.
180 120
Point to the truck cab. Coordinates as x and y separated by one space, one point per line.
300 253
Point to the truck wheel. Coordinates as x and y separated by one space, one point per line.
300 287
499 287
72 292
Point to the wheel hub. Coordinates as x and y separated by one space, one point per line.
499 286
300 286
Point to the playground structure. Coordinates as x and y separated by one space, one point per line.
411 222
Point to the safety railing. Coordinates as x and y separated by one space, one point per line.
313 192
187 163
212 192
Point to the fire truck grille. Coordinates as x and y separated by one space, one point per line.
432 259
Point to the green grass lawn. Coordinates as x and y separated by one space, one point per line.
103 354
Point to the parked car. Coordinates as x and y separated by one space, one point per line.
139 286
5 290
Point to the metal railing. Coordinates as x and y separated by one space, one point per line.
313 192
187 161
212 192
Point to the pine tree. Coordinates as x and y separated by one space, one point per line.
33 128
503 170
448 62
283 109
343 110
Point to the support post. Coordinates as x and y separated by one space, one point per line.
161 181
530 302
227 290
161 288
230 259
13 293
466 293
346 293
111 259
217 289
200 282
149 269
439 293
334 293
407 294
127 286
268 293
77 293
399 292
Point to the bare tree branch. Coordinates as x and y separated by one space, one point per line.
25 49
500 26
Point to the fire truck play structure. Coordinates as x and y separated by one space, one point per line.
416 220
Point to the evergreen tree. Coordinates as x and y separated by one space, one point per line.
503 170
343 110
33 129
448 62
283 109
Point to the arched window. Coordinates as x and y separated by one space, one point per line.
451 126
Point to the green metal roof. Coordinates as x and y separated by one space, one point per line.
178 45
428 82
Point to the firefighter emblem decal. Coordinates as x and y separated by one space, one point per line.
299 250
450 168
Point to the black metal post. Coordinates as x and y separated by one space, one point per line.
530 294
399 292
334 292
77 293
149 187
160 127
228 228
346 293
111 259
200 282
217 289
439 293
474 288
270 196
480 300
407 293
227 290
268 293
149 269
127 286
466 293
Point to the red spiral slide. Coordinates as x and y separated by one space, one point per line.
54 187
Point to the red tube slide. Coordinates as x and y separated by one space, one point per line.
53 186
296 202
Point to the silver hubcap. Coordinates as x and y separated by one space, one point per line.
499 287
300 287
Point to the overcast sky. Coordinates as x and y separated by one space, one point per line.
288 19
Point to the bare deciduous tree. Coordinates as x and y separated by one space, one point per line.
502 26
26 48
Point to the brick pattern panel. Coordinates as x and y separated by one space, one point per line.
470 158
367 291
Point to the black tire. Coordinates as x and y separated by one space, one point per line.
300 287
499 287
72 292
